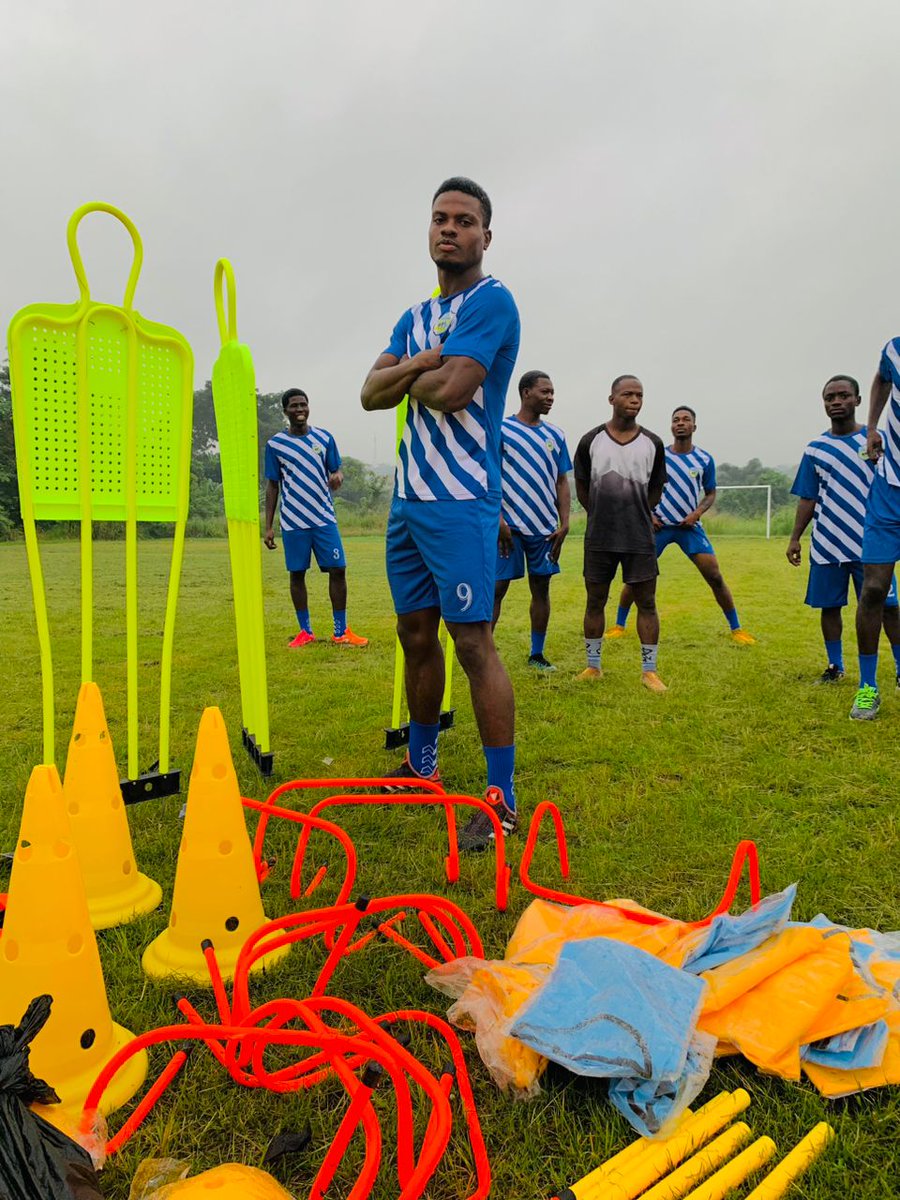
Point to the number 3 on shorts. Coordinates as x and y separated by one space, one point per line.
464 595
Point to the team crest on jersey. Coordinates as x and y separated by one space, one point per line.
317 449
694 472
444 324
549 444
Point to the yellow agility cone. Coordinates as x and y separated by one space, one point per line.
232 1181
216 891
116 891
48 947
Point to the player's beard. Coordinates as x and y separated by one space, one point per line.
455 266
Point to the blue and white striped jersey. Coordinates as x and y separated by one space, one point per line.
834 474
301 465
690 477
532 458
889 368
456 456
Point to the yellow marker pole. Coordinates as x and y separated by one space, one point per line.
449 655
733 1174
399 661
260 684
168 641
131 563
397 703
792 1166
659 1158
635 1149
83 419
690 1173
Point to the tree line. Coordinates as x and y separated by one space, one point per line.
362 501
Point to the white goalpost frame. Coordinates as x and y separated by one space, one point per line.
753 487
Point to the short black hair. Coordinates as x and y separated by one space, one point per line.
684 408
842 378
618 379
529 379
459 183
290 394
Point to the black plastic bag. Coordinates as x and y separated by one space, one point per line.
37 1161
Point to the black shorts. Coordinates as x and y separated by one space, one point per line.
600 565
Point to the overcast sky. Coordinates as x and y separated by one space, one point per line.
702 192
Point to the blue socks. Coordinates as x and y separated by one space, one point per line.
896 651
537 643
622 615
423 740
501 764
733 620
834 652
340 622
303 619
868 666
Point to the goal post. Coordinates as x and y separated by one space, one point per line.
753 487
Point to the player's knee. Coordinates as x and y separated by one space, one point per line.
417 637
297 576
473 643
716 581
646 604
874 593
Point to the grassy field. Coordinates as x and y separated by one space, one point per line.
656 791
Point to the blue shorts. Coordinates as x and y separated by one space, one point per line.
691 540
324 541
829 585
881 538
443 554
535 549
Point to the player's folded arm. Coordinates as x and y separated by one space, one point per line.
452 386
386 383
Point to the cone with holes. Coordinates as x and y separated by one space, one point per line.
216 891
48 947
116 891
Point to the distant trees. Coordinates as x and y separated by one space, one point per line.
10 517
751 504
364 493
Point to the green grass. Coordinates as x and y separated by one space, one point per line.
656 791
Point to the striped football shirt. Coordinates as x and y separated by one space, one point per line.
834 473
690 477
889 368
301 465
456 456
532 458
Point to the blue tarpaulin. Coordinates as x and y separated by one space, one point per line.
612 1011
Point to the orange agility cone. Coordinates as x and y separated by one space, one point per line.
216 890
116 891
48 947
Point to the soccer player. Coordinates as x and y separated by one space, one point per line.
303 464
881 539
690 490
833 484
453 355
620 472
534 518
